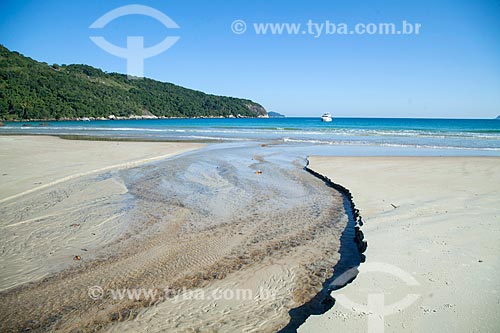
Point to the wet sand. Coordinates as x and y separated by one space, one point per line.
54 200
438 220
204 221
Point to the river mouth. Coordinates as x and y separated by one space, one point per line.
228 217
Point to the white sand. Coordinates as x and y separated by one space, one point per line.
444 233
30 163
51 208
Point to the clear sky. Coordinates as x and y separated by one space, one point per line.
450 69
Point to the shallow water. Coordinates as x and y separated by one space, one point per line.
195 221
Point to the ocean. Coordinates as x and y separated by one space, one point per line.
451 136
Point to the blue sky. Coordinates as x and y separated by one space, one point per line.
451 69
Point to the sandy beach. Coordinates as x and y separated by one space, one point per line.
46 196
76 215
82 221
432 225
31 163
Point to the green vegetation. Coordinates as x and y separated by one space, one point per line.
35 90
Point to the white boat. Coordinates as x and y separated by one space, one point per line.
326 117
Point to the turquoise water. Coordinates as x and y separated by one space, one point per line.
479 135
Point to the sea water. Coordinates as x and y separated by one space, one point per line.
479 136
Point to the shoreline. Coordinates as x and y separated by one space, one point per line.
422 225
84 137
112 117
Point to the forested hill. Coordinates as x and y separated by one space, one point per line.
33 90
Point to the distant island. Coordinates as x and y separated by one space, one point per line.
273 114
32 90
